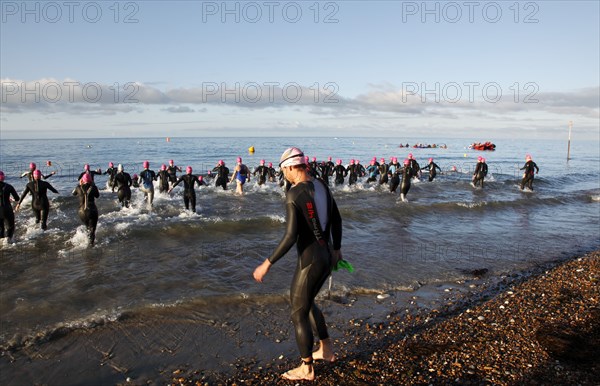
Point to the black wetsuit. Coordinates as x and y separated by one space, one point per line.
352 171
407 174
272 174
373 171
414 165
326 170
163 181
263 173
111 171
529 174
432 173
383 173
189 194
313 169
7 216
360 170
394 171
222 176
123 183
303 228
479 173
172 172
88 212
146 179
340 173
39 202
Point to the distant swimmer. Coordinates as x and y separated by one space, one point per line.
480 172
172 169
163 179
222 174
32 168
91 173
88 212
146 181
189 194
111 171
394 171
241 174
263 172
431 166
123 183
340 172
383 172
7 215
39 202
529 174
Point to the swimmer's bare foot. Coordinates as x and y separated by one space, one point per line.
303 372
325 352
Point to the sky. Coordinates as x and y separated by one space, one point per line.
465 69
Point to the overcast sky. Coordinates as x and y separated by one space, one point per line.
277 68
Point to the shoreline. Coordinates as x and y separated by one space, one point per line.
401 339
539 327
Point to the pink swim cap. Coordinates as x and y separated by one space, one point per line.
221 163
339 162
395 160
270 164
382 160
32 166
314 159
430 159
110 165
239 160
479 158
352 162
329 158
292 156
86 167
163 167
262 161
406 161
146 164
410 156
86 178
37 174
135 176
1 176
373 162
171 162
188 170
528 157
374 158
200 178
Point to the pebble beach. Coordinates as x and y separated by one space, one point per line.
540 328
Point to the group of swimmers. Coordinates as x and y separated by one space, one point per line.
393 174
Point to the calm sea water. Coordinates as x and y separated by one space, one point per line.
148 258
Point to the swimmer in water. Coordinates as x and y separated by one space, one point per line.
111 171
340 172
383 172
189 194
222 174
407 173
479 173
172 171
7 215
88 212
146 182
529 174
241 174
263 172
431 166
414 165
373 171
91 173
394 171
123 183
163 179
39 202
314 224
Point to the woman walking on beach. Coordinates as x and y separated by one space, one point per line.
312 219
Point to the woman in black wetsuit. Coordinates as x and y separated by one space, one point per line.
431 166
529 173
39 202
340 172
163 179
222 175
313 220
123 183
88 212
407 173
189 194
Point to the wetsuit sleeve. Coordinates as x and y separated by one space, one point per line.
48 176
24 194
178 181
13 193
536 167
95 191
52 189
291 233
336 226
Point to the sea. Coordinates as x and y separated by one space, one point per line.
147 258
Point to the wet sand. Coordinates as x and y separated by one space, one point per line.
537 327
